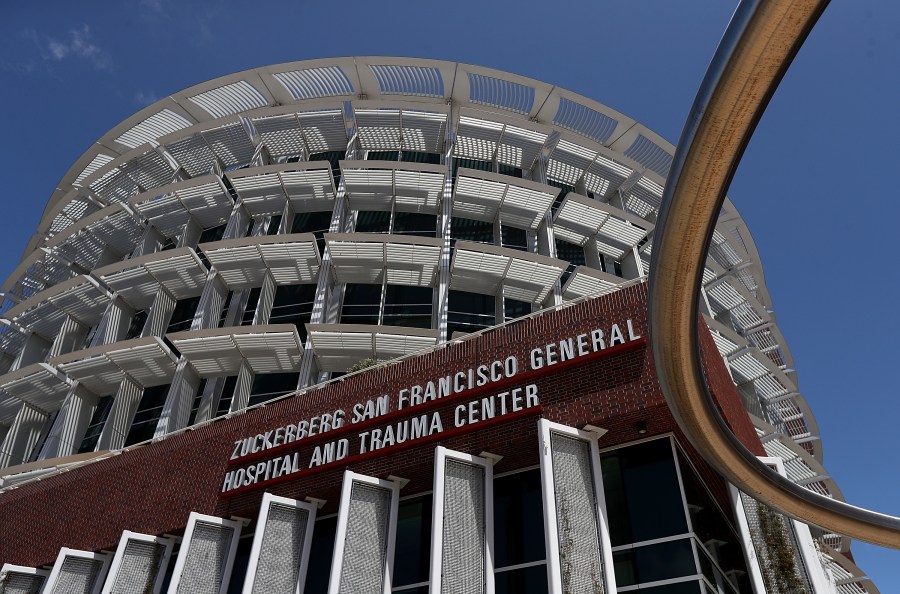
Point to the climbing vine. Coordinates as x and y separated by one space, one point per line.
781 574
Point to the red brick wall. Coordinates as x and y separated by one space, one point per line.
153 488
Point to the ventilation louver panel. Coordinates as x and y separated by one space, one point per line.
419 81
313 83
206 556
77 572
139 564
281 546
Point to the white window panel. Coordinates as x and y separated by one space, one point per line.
579 554
366 532
206 557
281 546
77 572
139 564
462 524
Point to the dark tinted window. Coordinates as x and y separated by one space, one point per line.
653 563
407 306
274 223
415 223
471 230
527 580
293 304
95 427
373 221
518 519
183 314
513 308
267 386
227 395
468 312
147 416
250 308
642 493
413 545
320 556
212 234
241 561
361 304
514 238
137 324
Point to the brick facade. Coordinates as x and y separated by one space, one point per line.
153 488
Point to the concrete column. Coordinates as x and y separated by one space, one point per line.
287 218
150 243
160 313
120 415
592 257
191 234
632 267
23 435
266 298
177 409
237 222
70 338
442 292
209 400
71 423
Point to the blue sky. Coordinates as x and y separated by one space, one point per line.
814 187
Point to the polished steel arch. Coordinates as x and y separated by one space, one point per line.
756 50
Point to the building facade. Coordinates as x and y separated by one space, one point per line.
257 235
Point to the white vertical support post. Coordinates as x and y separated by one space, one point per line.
281 546
77 571
160 312
139 564
237 222
266 298
125 404
22 436
462 523
796 533
207 555
579 554
114 325
18 578
191 234
592 255
364 544
70 337
241 395
150 243
287 218
212 301
442 294
177 408
34 350
70 424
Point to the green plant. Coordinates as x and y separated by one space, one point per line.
360 365
781 573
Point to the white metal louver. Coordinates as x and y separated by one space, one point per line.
22 580
364 545
462 534
206 556
281 546
579 553
77 572
139 564
759 526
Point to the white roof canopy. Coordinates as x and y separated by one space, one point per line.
44 313
38 384
587 281
380 185
512 143
484 196
309 186
270 348
339 346
372 258
147 361
242 263
580 218
486 269
389 129
169 208
179 271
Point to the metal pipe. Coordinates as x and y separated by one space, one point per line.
756 50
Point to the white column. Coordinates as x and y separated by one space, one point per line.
177 408
70 338
212 301
241 395
120 415
34 350
114 325
160 313
22 436
266 298
70 424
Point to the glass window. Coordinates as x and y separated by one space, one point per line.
382 155
514 238
198 398
320 555
361 304
413 545
688 587
407 306
509 170
318 223
463 229
250 308
95 427
563 190
293 304
241 561
227 304
417 157
137 324
471 164
271 385
147 416
642 493
518 519
573 254
274 223
527 580
513 308
334 159
415 223
469 312
212 234
653 563
373 221
226 395
183 314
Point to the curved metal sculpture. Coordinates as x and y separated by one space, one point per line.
756 50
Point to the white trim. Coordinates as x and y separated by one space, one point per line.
441 455
340 539
753 565
267 501
9 568
66 552
554 571
128 535
808 553
186 547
